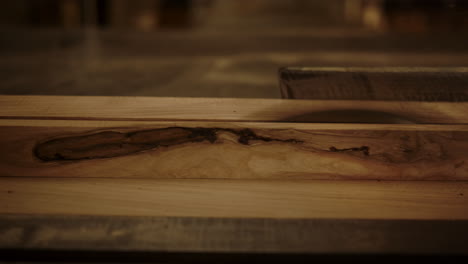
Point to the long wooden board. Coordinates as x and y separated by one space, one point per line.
292 199
224 109
154 149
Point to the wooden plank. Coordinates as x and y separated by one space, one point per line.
130 149
398 84
139 237
146 108
292 199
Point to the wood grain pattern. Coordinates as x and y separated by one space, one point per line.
397 84
223 109
57 148
235 198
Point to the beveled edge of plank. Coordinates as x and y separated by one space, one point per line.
220 109
218 235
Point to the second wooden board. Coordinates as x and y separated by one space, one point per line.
394 83
59 148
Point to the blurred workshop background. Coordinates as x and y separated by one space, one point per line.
215 48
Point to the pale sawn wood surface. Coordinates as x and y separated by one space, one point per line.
229 109
232 150
236 198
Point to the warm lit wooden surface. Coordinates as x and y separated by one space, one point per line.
53 206
128 137
231 150
235 198
148 108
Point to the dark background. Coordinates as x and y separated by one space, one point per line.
215 48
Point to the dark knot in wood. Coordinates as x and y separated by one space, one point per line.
364 149
108 144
